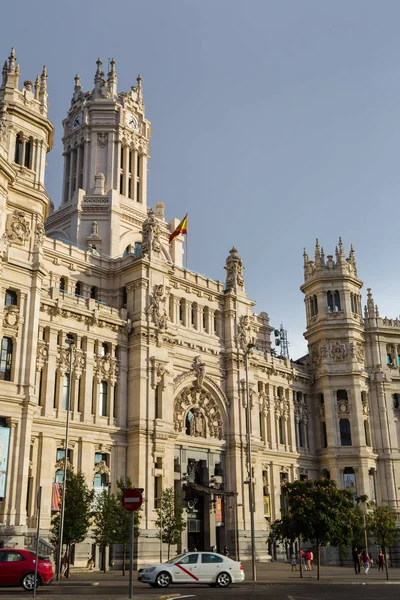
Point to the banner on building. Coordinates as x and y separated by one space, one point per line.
4 452
219 511
349 481
267 506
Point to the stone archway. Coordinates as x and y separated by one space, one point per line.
207 417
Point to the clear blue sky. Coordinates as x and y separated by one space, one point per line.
273 123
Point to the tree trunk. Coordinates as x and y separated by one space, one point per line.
318 559
104 559
386 565
124 560
301 566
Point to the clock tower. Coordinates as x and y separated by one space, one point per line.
106 150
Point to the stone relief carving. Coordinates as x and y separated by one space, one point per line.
59 466
199 368
78 362
11 316
318 354
301 411
264 403
106 368
151 235
338 351
102 139
39 233
3 122
234 271
343 407
18 229
357 351
282 407
102 468
244 332
42 354
156 308
199 402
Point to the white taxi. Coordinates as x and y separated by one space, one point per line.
194 567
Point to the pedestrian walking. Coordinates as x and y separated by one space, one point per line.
65 565
303 559
311 560
308 560
356 561
293 562
381 560
366 562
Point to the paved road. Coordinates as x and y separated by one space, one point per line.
274 591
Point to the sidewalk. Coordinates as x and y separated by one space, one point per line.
271 572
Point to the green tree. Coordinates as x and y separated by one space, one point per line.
77 515
381 524
124 520
170 521
105 520
319 512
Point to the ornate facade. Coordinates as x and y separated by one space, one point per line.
158 381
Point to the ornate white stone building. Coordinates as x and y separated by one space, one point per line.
158 385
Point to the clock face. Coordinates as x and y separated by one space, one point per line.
77 122
132 122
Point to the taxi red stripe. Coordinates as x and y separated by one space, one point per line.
188 572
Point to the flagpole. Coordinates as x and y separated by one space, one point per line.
186 253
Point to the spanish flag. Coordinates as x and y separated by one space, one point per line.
182 228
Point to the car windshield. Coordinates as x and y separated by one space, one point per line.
169 562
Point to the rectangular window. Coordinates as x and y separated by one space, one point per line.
345 432
324 435
6 359
157 401
281 431
103 398
65 392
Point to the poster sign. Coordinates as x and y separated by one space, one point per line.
4 452
219 511
350 482
267 506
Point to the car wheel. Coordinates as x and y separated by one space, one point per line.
28 581
163 579
223 580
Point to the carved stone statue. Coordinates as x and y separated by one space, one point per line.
151 235
234 271
244 330
199 369
156 308
95 228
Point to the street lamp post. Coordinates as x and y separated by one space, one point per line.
235 526
161 528
70 342
249 459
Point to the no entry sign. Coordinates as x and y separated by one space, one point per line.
132 499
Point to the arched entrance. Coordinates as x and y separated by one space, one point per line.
200 417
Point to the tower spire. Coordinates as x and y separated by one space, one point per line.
11 61
317 251
112 78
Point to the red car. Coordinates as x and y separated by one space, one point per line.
17 567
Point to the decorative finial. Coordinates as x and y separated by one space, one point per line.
99 64
37 87
11 61
78 85
322 256
139 81
305 256
317 250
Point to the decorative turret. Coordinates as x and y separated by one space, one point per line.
327 268
106 152
26 135
234 272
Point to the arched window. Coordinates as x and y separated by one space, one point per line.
189 423
337 301
18 149
314 306
329 298
62 284
65 392
28 153
128 250
345 432
281 431
103 399
11 298
395 400
6 358
105 349
181 311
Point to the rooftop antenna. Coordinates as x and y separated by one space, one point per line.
282 341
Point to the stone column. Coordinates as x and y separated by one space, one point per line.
126 171
50 372
71 175
134 174
8 504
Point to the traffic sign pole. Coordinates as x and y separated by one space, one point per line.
131 556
